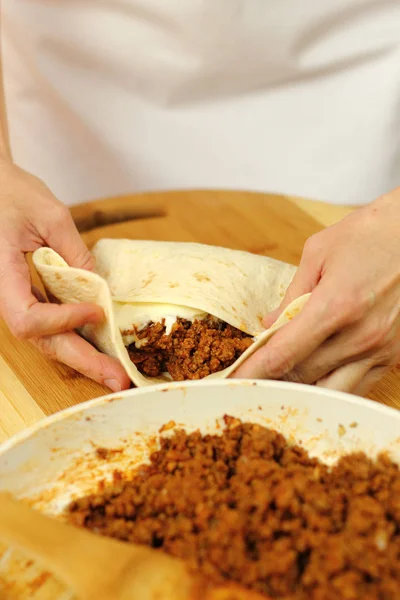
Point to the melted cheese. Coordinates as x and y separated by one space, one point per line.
141 314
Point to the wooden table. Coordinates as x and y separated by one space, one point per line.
32 387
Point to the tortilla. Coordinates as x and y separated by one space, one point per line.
237 287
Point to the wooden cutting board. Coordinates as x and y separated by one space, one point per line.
32 387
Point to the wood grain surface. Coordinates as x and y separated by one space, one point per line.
32 387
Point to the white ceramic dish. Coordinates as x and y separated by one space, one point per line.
57 459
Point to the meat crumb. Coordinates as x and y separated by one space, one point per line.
191 351
167 426
247 507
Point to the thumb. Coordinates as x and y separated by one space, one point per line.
65 239
304 281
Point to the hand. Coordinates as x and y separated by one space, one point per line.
348 334
31 217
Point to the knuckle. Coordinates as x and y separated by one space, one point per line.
378 335
348 308
20 326
296 375
46 346
61 214
279 364
85 259
40 343
373 339
311 245
58 216
388 354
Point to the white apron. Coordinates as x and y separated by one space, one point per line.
114 96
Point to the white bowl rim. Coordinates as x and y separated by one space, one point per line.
48 421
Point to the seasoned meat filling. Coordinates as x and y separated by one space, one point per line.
190 351
245 506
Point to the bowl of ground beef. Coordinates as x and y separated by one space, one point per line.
289 491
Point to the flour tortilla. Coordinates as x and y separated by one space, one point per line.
237 287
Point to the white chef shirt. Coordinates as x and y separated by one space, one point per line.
116 96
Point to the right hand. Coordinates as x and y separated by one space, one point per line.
32 217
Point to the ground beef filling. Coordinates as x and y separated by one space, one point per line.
247 507
190 351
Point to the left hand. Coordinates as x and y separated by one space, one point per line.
348 334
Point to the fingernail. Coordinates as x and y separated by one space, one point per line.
113 384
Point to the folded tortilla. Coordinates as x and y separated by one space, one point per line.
137 281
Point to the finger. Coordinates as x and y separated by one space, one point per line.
49 319
331 355
347 378
24 315
75 352
272 316
370 380
304 281
374 336
295 341
63 236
